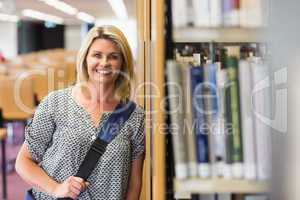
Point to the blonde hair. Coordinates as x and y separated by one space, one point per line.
112 33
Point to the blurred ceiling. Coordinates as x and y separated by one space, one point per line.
100 9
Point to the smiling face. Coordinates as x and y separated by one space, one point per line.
104 61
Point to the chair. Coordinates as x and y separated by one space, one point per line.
3 162
16 103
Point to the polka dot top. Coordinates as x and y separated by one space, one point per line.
60 135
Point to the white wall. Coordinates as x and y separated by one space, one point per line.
72 37
128 27
73 33
285 50
8 39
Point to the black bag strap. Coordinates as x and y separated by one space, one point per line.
108 132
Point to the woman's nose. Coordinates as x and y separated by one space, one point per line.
104 61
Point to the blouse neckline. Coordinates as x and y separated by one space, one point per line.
81 110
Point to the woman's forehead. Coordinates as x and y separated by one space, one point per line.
104 45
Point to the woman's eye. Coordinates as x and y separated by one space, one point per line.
115 57
97 55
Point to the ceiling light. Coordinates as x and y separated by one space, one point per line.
86 17
1 4
62 6
42 16
119 8
10 18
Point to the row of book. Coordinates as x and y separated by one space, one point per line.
229 197
219 13
216 110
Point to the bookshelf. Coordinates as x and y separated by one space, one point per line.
154 62
220 34
157 78
195 185
143 75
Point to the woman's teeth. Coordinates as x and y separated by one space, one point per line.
103 72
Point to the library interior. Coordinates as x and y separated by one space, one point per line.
210 82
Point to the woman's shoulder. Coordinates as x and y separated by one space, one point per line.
57 95
139 110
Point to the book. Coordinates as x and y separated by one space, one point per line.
190 12
228 132
176 113
220 147
231 13
237 197
188 121
207 197
249 149
216 13
224 196
201 13
179 13
251 14
256 197
261 98
235 137
210 100
202 151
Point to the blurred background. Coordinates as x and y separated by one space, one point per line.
215 77
38 47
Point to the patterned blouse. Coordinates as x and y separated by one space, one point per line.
60 134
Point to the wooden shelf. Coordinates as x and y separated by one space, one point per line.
219 186
190 34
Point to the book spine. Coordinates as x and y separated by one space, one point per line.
197 78
237 150
179 13
190 12
176 114
262 100
188 124
231 9
220 151
251 14
224 196
249 150
201 13
256 197
228 132
211 111
215 13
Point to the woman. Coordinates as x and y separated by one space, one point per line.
67 122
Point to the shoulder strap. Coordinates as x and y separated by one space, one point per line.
108 132
115 121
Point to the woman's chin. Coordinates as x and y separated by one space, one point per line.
102 80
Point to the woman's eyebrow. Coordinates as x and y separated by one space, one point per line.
114 52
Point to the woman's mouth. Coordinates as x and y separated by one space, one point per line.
103 71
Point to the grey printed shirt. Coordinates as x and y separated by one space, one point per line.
61 134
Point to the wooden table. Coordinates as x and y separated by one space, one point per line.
3 167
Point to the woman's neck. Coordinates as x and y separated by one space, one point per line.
99 93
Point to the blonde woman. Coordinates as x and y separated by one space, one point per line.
67 122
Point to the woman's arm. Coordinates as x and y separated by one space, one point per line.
135 181
33 174
38 136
